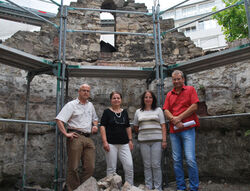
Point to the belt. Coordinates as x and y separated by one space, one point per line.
79 132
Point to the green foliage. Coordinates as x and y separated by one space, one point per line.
233 21
247 133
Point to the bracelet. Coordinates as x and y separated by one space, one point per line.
130 139
164 141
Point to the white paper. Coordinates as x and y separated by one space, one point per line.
186 124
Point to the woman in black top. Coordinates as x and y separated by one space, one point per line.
117 137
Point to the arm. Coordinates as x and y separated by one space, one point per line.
94 121
94 127
63 130
164 135
193 108
104 139
176 120
129 132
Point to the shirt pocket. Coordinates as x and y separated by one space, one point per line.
78 114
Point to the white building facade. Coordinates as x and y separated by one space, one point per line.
205 33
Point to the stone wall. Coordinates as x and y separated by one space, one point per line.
222 148
86 46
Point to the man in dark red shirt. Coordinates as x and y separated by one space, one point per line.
180 106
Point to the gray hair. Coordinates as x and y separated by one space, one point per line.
178 72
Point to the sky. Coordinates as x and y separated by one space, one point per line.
50 7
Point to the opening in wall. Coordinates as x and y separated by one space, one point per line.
108 23
107 40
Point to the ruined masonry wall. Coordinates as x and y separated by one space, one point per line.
222 149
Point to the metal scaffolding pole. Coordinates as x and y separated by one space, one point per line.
58 136
111 11
226 116
160 56
247 8
156 55
29 79
33 13
109 32
26 121
63 80
60 90
162 12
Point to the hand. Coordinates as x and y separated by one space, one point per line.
94 129
136 129
71 135
106 146
175 120
131 145
164 144
179 125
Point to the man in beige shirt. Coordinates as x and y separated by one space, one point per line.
82 121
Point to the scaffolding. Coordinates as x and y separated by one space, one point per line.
36 66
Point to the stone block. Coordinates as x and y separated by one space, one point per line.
88 185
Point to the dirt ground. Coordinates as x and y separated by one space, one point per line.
212 186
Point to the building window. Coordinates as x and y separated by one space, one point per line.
208 24
169 14
189 30
206 7
189 11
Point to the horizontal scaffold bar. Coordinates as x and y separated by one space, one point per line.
36 189
110 11
27 121
214 60
226 116
26 10
162 12
55 3
110 32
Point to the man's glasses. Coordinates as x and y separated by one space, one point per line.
84 90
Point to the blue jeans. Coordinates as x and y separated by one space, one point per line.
179 141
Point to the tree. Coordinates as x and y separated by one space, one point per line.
233 21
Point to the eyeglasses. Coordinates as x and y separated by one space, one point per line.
84 90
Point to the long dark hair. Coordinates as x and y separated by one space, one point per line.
154 104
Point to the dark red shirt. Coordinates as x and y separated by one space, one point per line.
178 103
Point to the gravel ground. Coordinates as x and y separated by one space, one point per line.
212 186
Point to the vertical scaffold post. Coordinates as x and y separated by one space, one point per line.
160 56
63 78
247 8
58 178
29 79
156 56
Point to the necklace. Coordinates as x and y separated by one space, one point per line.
118 114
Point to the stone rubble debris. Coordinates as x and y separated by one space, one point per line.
111 182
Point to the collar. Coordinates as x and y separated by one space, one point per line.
174 91
78 101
